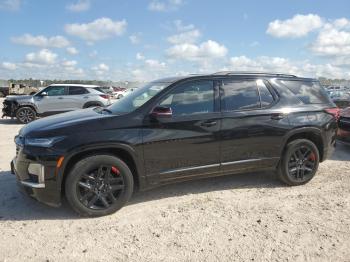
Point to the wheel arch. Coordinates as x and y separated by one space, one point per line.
311 133
92 103
124 152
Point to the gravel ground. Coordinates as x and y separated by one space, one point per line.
232 218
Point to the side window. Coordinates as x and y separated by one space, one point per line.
307 91
77 90
266 97
191 98
55 91
240 95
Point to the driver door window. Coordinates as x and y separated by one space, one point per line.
191 99
55 91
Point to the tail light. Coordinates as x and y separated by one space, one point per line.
333 111
105 96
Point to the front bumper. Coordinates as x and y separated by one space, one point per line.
9 108
37 179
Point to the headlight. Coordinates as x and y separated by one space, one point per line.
42 142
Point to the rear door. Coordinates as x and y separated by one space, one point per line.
186 144
251 133
77 97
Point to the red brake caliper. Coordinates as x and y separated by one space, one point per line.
115 171
312 157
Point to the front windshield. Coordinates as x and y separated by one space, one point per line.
137 98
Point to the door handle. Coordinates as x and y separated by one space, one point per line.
208 123
60 98
277 116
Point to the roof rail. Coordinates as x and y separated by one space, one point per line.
251 73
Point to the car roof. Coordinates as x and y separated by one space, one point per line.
87 86
234 73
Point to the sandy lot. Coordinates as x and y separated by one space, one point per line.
232 218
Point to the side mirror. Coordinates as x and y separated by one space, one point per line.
43 94
161 112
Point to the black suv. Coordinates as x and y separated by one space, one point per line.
177 129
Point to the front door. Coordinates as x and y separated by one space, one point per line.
53 101
187 143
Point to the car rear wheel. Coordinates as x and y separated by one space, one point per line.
25 115
99 185
299 163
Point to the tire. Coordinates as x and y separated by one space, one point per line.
299 162
85 192
120 96
25 114
2 94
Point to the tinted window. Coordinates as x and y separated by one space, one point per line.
308 92
77 90
266 97
55 90
240 95
191 98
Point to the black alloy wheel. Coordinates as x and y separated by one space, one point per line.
302 163
101 187
299 163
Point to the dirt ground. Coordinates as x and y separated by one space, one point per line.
234 218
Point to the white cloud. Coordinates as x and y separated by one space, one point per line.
41 41
185 37
80 6
284 65
191 52
44 56
135 38
165 5
97 30
12 5
333 39
69 63
298 26
185 34
100 69
155 64
8 66
179 25
72 50
140 56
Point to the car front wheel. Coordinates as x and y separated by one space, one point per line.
299 163
25 115
99 185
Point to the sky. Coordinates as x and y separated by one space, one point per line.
148 39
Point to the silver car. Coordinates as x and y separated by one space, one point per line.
54 99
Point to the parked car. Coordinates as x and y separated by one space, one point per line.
53 99
344 126
177 129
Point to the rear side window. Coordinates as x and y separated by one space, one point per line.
240 95
308 92
77 90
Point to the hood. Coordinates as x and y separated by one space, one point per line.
18 98
57 124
